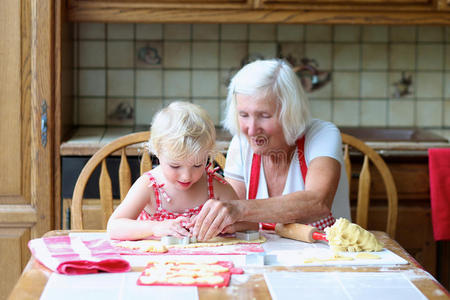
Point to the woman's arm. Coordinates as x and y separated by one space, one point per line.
302 206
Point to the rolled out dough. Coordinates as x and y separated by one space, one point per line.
157 246
365 255
219 241
334 258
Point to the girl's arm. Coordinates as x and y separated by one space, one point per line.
123 225
238 187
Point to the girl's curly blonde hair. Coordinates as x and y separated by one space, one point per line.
182 130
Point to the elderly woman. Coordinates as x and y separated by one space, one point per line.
290 164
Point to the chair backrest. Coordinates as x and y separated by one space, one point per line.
105 186
363 198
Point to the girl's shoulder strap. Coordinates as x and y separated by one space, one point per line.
212 172
156 187
152 179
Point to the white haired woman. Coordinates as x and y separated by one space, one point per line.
289 165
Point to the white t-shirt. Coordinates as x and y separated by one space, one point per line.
322 139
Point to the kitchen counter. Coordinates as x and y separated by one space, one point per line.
386 141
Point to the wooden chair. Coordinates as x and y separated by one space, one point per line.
370 156
105 186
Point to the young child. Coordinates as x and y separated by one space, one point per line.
163 201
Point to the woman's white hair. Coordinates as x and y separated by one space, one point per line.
274 79
182 130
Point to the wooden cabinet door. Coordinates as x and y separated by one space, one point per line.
159 11
443 4
133 4
26 165
356 5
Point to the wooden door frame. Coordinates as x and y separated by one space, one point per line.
42 91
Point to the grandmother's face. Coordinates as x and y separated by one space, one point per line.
258 121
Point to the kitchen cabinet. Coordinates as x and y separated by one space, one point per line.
28 129
405 5
443 4
188 4
262 11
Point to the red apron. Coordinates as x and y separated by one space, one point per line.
254 182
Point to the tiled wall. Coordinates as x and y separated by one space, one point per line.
126 72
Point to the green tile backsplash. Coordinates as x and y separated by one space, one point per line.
124 73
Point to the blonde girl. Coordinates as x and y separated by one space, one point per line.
164 200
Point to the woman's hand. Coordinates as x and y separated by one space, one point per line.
214 217
174 227
240 226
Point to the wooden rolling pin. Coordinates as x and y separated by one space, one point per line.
295 231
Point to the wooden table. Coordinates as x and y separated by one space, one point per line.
35 276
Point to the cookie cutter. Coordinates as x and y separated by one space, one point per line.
254 259
173 240
249 235
261 259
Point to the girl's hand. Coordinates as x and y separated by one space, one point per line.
174 227
190 223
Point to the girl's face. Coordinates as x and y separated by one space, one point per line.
258 121
183 174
